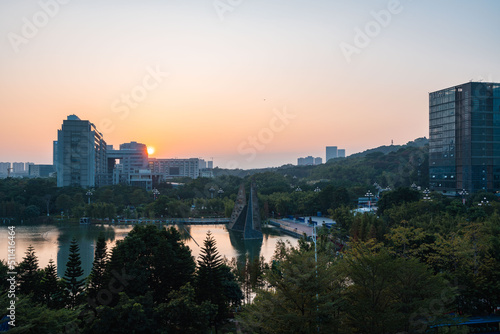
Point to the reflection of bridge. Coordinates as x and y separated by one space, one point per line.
192 221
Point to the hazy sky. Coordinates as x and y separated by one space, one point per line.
251 83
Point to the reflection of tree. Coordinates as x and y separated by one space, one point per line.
184 231
86 237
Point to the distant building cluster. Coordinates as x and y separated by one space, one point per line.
332 152
82 158
25 169
309 161
464 150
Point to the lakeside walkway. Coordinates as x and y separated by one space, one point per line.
293 228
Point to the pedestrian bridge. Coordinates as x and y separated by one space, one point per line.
192 221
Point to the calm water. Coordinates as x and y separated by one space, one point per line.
52 241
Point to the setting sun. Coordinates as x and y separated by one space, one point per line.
151 150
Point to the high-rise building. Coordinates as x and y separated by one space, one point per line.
202 164
27 166
81 154
464 143
341 153
309 161
4 168
331 152
18 167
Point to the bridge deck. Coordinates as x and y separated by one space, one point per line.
193 221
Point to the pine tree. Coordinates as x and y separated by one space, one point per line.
209 264
74 285
96 277
50 285
214 281
29 275
209 277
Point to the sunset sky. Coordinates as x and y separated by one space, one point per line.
251 83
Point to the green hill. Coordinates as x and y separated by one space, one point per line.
393 166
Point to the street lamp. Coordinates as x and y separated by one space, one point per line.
220 192
484 202
463 193
426 193
156 192
369 195
212 190
90 193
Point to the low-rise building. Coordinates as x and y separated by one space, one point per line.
172 168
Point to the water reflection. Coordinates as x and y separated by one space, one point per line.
86 237
249 248
184 231
52 242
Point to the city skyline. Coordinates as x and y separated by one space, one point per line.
251 84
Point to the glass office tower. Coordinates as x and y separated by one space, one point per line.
81 154
464 143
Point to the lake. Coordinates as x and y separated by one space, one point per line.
52 241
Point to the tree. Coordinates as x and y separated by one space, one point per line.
214 281
304 295
96 279
129 315
3 273
74 284
29 275
250 275
344 219
183 314
138 197
49 287
395 198
31 212
385 294
63 202
154 259
38 318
